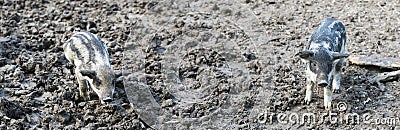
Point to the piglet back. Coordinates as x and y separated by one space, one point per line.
332 31
88 48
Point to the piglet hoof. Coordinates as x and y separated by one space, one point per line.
85 97
328 108
82 99
336 90
307 102
69 65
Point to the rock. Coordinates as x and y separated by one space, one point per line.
378 61
82 104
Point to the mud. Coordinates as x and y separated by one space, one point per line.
207 64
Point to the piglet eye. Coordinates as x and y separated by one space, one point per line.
313 64
98 81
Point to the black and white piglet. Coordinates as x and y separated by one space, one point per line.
89 55
324 59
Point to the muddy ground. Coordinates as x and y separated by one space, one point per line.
208 64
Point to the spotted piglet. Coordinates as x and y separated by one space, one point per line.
324 57
89 55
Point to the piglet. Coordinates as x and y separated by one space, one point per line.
88 53
324 57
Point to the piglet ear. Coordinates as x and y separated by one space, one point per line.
89 73
305 55
337 55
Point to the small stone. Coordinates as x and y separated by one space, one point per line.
278 103
60 28
89 118
223 88
21 92
308 3
167 103
82 104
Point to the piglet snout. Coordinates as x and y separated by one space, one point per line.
322 83
107 98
